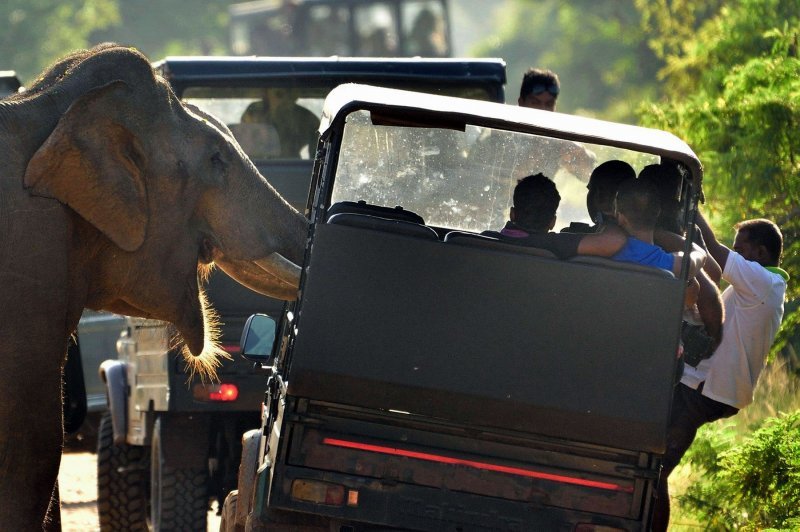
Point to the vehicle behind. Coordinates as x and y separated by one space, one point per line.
172 443
433 378
9 83
368 28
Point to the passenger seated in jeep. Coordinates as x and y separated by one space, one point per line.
702 330
604 182
637 209
533 215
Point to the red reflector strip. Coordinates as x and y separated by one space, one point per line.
232 348
477 465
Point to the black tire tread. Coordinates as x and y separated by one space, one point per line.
184 499
227 521
121 495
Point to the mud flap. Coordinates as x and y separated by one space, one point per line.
112 372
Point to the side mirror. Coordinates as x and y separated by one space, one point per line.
258 338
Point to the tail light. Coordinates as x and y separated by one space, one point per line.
320 492
222 392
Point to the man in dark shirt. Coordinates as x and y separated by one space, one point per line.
533 215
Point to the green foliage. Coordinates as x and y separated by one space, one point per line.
171 27
671 24
36 32
597 49
734 97
751 485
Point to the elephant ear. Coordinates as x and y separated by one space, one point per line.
95 165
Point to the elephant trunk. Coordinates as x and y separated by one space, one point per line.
263 253
264 257
198 337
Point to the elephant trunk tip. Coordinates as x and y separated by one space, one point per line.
201 348
205 364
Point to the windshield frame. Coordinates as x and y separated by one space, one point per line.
414 109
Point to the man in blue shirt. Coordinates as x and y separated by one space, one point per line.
637 207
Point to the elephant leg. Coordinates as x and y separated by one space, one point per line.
31 439
52 522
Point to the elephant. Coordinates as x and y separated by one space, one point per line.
115 195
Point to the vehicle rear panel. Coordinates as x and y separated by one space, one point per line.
541 346
403 471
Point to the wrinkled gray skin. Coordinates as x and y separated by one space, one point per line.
114 195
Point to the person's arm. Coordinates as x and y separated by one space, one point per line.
717 250
578 160
697 257
709 305
603 244
668 241
711 267
672 242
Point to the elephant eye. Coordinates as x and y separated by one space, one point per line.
217 161
219 165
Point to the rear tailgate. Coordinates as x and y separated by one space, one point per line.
560 349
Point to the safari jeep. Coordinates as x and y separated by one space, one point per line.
168 444
433 378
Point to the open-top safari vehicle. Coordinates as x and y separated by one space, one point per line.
433 378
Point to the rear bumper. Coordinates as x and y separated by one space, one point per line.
409 506
391 475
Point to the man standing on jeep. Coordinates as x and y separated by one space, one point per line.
540 89
723 384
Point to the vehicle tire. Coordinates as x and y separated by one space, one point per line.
121 482
178 496
227 522
246 480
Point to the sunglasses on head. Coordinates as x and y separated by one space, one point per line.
541 87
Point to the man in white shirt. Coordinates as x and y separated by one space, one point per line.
723 384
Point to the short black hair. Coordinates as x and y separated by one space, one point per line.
765 233
536 200
638 201
668 181
604 182
535 76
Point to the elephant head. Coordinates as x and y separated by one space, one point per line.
160 191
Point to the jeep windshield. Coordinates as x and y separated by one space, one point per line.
459 173
464 179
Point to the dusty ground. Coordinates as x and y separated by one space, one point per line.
78 483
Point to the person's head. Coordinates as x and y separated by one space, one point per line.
759 240
637 205
536 200
668 181
603 184
255 113
540 88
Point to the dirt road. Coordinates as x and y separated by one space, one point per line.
78 483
